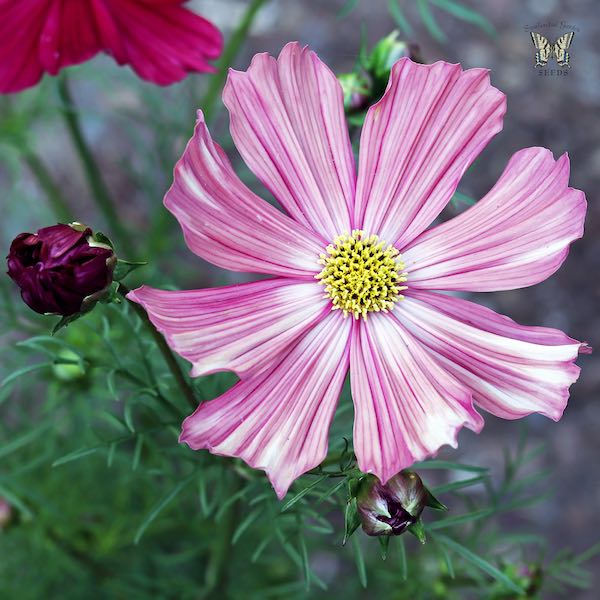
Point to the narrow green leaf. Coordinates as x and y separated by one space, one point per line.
23 440
403 561
128 416
15 501
459 485
446 464
111 455
233 498
587 554
23 371
447 561
297 559
110 384
302 493
429 21
305 562
329 493
466 14
462 199
347 8
479 562
159 507
360 561
137 452
573 580
261 547
76 455
399 17
460 519
245 523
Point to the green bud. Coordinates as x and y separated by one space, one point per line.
69 370
356 89
386 52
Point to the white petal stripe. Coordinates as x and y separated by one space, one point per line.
241 328
512 370
279 420
516 236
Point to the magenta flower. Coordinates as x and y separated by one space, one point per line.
160 39
419 360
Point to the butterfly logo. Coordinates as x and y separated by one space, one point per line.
546 50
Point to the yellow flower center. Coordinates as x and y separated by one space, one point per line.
362 274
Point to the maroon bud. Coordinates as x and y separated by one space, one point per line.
392 508
60 269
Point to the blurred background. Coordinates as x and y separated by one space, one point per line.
138 131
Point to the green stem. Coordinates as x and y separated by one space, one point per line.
216 569
231 50
168 355
91 169
61 209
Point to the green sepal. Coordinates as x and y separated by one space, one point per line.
384 543
434 503
64 321
353 486
351 519
102 239
418 530
125 267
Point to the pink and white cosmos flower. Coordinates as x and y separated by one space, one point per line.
419 360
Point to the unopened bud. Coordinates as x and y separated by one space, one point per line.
388 51
392 508
356 89
62 269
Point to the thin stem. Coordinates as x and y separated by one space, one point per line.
59 206
168 355
91 169
231 50
216 569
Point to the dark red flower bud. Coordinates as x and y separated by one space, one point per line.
61 269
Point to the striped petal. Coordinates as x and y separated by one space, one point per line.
516 236
406 405
228 225
279 420
512 370
417 142
287 121
240 328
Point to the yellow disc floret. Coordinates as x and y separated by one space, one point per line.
362 274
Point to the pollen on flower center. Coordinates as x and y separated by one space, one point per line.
361 274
